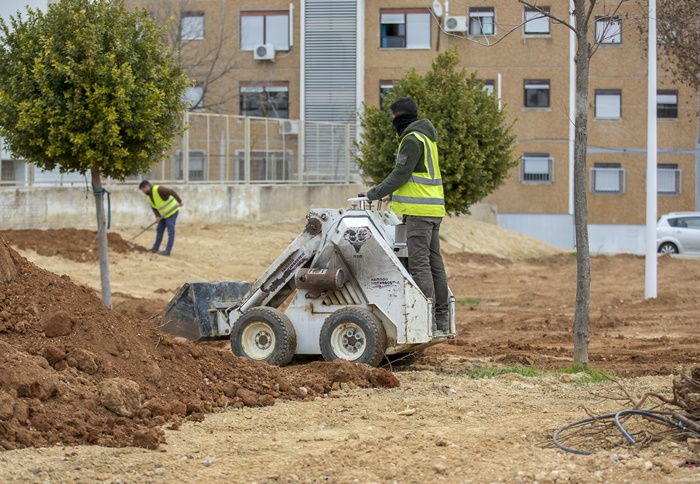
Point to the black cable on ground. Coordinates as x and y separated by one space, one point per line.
650 414
571 425
616 416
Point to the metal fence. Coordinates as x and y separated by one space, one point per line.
230 149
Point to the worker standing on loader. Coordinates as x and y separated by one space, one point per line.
415 186
166 204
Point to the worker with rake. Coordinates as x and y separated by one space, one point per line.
166 204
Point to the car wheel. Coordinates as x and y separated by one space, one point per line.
668 248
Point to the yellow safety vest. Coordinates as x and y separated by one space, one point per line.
166 208
422 194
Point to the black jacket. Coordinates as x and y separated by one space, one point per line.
409 159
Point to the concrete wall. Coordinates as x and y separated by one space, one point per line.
74 207
559 231
554 229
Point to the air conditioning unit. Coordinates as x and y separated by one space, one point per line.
455 24
264 52
287 126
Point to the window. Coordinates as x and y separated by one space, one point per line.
194 97
608 104
197 165
489 85
192 25
668 179
482 21
536 168
536 23
7 172
687 222
270 100
607 178
408 29
667 104
265 165
268 27
608 30
384 88
537 94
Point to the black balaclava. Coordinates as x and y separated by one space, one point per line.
402 121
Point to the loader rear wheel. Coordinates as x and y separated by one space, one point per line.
264 334
353 334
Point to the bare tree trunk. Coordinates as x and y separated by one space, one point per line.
102 235
583 262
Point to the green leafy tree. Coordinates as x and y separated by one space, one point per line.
89 87
475 141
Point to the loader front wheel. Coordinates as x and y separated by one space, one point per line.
264 334
353 334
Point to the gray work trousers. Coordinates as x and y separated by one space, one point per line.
425 263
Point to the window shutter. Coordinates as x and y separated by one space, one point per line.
330 77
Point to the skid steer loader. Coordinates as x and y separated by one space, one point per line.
345 291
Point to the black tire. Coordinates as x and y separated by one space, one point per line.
264 334
668 248
353 334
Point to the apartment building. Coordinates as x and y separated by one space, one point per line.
321 60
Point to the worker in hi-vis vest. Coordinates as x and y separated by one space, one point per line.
166 204
415 187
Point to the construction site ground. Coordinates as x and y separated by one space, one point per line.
207 416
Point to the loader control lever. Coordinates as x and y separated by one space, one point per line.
362 201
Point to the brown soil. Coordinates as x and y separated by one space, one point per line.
67 359
69 363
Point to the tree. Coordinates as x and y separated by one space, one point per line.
475 141
88 86
583 11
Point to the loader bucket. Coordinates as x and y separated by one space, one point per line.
190 314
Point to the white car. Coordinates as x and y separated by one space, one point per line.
678 233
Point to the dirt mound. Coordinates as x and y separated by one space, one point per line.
76 372
76 245
464 234
459 234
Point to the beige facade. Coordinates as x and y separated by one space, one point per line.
518 63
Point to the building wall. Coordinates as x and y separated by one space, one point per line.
518 57
510 59
74 207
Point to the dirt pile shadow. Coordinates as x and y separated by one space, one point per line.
77 372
